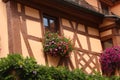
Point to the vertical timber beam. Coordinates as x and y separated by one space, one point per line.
116 37
13 28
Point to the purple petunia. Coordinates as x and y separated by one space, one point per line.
110 59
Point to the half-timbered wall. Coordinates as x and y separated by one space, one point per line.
22 31
109 33
27 32
3 30
31 32
86 42
107 28
115 9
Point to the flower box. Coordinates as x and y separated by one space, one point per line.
56 45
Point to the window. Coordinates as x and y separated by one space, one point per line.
50 23
107 44
105 8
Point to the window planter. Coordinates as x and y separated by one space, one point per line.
56 45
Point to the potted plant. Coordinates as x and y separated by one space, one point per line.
56 45
110 61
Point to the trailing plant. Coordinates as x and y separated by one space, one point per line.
55 45
110 60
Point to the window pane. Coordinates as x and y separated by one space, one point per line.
52 25
107 44
45 21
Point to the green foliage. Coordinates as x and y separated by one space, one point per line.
15 67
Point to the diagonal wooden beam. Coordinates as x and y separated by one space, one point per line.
75 33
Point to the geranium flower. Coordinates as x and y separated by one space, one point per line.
56 45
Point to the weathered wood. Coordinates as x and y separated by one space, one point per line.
75 33
5 1
43 32
34 38
13 28
95 65
88 39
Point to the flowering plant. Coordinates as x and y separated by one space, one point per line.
110 60
56 45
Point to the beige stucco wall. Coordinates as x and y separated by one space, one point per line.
3 30
34 28
81 27
95 45
24 48
83 41
32 12
116 9
65 22
93 31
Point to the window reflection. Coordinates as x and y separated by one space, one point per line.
49 23
45 20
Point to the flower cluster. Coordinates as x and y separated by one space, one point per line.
56 45
110 60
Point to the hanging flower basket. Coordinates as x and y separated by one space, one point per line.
110 61
55 45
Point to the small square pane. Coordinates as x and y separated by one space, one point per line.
45 21
50 23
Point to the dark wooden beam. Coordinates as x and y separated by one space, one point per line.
72 9
108 2
117 2
111 26
13 28
65 8
5 1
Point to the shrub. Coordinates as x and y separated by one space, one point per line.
15 67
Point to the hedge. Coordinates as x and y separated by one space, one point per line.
15 67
